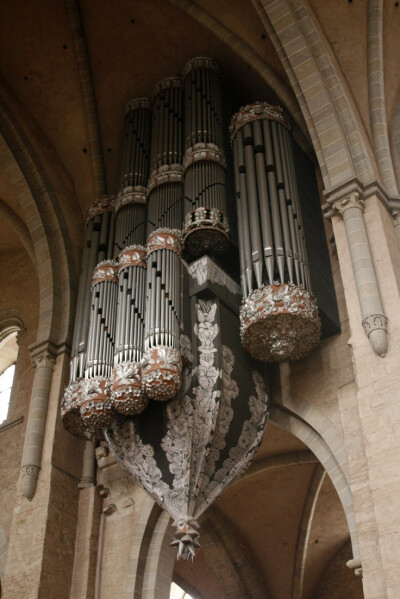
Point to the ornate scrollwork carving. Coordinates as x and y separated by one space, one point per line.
127 396
106 270
279 322
205 230
161 372
164 239
132 255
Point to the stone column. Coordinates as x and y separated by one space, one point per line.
43 362
89 466
374 321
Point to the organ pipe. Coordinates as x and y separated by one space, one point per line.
161 368
205 226
127 396
97 247
279 315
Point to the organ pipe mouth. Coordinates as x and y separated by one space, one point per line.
258 111
201 62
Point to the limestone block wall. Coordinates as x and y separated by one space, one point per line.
19 296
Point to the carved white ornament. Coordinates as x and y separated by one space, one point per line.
194 446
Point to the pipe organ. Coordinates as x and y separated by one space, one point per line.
172 203
279 315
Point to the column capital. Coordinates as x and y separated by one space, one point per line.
43 360
43 354
339 206
353 200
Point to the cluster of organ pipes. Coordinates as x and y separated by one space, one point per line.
172 203
279 315
126 343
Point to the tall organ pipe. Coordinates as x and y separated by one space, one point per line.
279 315
205 228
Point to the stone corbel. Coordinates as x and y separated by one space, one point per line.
374 321
396 218
43 360
355 564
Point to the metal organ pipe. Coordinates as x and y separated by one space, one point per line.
161 367
279 315
126 390
205 228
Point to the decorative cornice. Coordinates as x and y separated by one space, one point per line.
106 270
164 239
201 152
204 269
201 62
392 204
138 103
97 207
133 255
167 83
131 195
258 111
167 173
